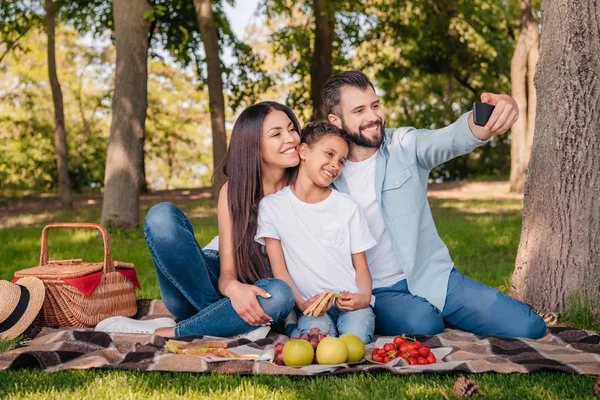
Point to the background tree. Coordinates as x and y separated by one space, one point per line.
321 67
558 262
60 132
120 207
522 71
208 31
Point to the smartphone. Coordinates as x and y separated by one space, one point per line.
482 113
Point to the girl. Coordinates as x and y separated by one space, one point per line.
316 238
226 288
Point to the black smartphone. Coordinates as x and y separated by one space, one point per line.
482 113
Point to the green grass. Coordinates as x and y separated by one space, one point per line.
482 237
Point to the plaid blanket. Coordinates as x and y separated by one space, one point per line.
562 349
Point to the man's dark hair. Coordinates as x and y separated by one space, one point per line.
333 86
315 131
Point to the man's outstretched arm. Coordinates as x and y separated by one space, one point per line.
435 147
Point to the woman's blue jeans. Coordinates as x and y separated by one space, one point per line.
188 279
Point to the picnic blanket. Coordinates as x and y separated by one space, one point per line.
562 349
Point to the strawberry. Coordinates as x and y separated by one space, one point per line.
375 357
411 361
389 347
386 359
431 358
414 354
416 345
399 341
403 349
381 352
424 351
422 361
410 347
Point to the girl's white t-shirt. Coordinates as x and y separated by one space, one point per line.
383 261
318 240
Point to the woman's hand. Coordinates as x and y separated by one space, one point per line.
352 301
244 302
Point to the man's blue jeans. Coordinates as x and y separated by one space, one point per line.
358 322
470 305
188 279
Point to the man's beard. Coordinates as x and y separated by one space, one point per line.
361 140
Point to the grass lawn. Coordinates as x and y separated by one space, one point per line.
482 236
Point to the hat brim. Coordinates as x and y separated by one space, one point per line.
36 300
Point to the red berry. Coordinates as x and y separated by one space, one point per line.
375 357
399 341
315 331
388 347
411 361
416 345
414 354
431 358
386 359
278 347
403 348
410 347
381 352
424 351
422 361
305 336
314 343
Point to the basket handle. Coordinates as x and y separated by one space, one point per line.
108 262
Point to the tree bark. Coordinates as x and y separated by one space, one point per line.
522 71
322 61
208 31
60 133
558 260
120 208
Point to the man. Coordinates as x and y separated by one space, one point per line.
415 284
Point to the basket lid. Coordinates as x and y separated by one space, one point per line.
73 268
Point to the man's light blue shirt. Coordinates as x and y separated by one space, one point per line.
404 161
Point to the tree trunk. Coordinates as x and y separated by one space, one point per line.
208 31
522 71
558 260
120 208
60 133
321 68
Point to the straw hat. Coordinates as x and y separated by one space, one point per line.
20 303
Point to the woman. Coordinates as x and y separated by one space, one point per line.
227 288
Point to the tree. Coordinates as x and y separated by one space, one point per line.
208 31
522 71
558 261
120 207
60 132
322 58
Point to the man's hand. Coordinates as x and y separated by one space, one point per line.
352 301
504 116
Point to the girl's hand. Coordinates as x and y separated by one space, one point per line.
244 302
304 305
352 301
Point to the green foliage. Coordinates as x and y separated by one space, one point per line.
28 159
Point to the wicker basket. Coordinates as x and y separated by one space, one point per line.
64 304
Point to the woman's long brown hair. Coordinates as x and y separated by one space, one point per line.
242 165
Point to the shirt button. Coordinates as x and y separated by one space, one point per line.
395 183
